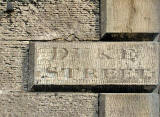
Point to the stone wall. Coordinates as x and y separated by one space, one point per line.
41 20
48 105
47 20
50 20
13 65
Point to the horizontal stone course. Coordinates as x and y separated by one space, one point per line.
94 63
17 104
129 105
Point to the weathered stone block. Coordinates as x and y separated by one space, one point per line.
130 16
129 105
50 20
14 65
93 64
48 105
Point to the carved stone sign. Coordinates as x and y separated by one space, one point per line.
129 105
93 63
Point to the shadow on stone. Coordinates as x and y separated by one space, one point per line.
129 37
95 89
25 69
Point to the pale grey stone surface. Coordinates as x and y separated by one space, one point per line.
129 105
94 63
130 16
48 105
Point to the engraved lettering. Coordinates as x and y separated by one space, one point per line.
148 74
109 73
60 53
54 53
103 55
123 73
68 72
90 73
140 72
76 52
94 64
130 54
52 72
65 53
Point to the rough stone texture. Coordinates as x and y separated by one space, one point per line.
13 65
47 20
50 19
129 105
48 105
94 63
130 16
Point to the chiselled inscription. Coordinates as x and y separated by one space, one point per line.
92 73
94 63
79 53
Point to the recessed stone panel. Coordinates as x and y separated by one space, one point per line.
129 105
93 64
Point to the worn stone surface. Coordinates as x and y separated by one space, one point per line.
48 105
129 105
93 63
13 65
50 19
130 16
